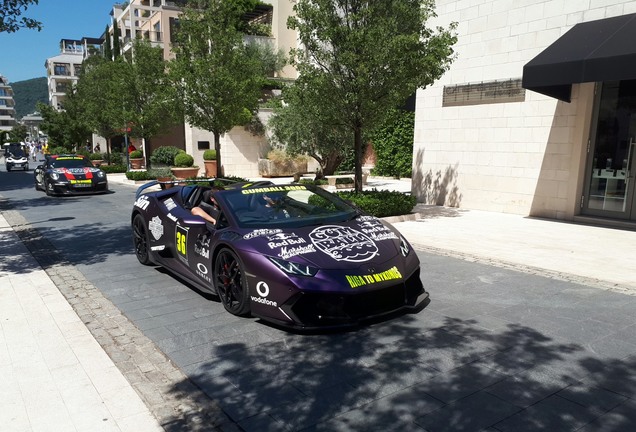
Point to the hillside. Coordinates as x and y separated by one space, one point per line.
27 93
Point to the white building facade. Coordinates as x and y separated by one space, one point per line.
7 106
537 114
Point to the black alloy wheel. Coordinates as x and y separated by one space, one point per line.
48 188
230 283
140 240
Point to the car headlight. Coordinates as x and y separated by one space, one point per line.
101 174
55 176
405 248
294 268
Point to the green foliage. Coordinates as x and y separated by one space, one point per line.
209 155
160 172
27 94
393 145
353 59
216 77
60 150
381 203
164 155
18 133
316 182
111 169
95 156
114 158
138 175
136 154
183 160
302 126
11 19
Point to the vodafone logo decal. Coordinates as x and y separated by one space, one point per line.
262 289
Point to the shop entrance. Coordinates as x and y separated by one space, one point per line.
611 165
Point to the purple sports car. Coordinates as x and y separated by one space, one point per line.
294 255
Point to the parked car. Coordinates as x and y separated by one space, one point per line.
68 175
15 157
294 255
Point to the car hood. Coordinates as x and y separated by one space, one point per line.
76 173
361 241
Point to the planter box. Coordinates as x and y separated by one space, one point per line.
210 168
184 173
269 168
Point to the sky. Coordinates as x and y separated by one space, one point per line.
23 53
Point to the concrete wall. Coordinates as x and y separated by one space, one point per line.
519 157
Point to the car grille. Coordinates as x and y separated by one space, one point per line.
334 308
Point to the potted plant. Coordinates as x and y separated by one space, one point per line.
162 174
164 156
209 160
136 159
184 166
96 159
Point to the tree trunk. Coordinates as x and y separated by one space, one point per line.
357 134
220 171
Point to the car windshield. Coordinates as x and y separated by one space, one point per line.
287 205
16 151
69 162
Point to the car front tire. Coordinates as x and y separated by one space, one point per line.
48 188
231 283
140 240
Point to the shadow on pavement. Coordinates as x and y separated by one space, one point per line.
453 376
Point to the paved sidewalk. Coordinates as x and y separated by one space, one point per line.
54 375
592 255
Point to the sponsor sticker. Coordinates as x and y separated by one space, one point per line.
202 271
263 291
172 217
170 204
272 189
356 281
156 227
142 202
344 243
261 233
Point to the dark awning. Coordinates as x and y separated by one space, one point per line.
601 50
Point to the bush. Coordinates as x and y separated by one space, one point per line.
393 145
115 158
164 155
136 154
95 156
112 169
138 175
59 150
183 160
160 172
316 182
209 154
381 203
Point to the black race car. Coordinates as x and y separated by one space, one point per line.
69 175
295 255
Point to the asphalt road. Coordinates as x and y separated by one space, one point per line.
496 349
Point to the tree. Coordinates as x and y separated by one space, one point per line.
18 133
364 56
100 95
116 50
219 82
68 128
149 98
108 49
299 125
10 12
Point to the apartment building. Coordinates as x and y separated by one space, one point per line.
7 106
155 21
537 114
62 70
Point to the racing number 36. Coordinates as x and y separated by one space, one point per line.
181 241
